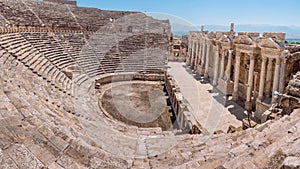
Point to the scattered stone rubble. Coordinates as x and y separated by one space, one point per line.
51 119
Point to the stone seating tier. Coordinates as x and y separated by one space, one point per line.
32 125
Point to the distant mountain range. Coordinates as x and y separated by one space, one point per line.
292 32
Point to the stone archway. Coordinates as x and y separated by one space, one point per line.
293 66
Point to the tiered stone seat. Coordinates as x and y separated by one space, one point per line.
72 42
47 128
138 53
47 134
17 13
38 108
100 44
152 62
88 60
51 14
92 18
3 22
15 44
51 49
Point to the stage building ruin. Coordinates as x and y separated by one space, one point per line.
58 60
248 66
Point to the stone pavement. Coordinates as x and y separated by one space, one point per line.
210 107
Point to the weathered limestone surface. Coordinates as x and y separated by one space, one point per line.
49 117
293 87
257 67
39 131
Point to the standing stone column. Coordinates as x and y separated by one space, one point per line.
216 66
192 55
222 65
197 55
269 77
276 77
228 67
207 60
190 48
191 52
200 52
262 78
203 55
250 82
236 76
282 76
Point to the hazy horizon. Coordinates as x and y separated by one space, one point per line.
213 12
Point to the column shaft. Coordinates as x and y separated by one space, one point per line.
203 55
216 66
193 53
202 66
207 60
222 65
282 76
228 67
236 76
262 78
197 56
276 77
250 83
269 77
200 52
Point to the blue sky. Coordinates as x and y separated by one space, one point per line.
212 12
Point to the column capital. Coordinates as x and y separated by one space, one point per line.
264 58
223 52
216 48
285 53
283 60
270 59
251 56
278 60
230 51
238 54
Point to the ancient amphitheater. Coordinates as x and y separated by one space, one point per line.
90 88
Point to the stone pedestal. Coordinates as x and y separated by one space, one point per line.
200 70
248 105
261 107
226 87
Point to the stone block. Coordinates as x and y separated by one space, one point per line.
238 150
58 142
291 163
23 158
6 162
43 154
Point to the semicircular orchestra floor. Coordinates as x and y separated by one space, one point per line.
142 104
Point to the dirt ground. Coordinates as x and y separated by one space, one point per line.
139 96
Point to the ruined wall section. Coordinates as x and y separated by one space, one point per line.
62 15
182 109
247 66
68 2
293 87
